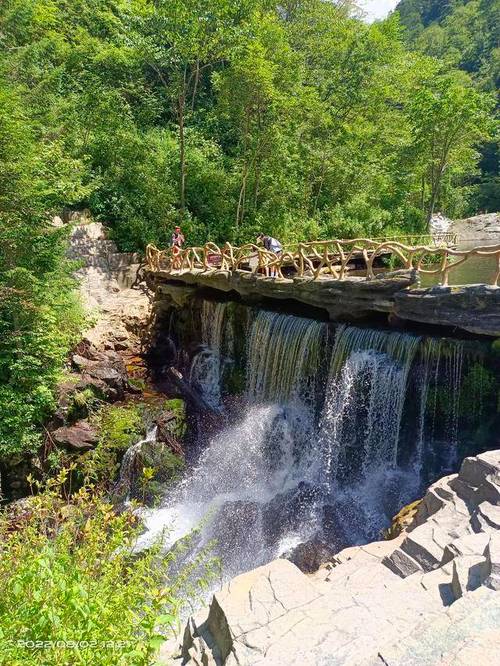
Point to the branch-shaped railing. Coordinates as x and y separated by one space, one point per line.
333 259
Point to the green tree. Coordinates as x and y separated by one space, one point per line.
182 41
39 315
449 119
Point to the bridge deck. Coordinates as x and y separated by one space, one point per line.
345 278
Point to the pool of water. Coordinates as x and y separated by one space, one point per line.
475 270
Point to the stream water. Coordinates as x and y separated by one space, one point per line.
337 428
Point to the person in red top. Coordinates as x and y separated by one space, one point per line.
177 243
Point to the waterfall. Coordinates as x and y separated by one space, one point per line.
213 319
130 462
364 401
399 346
205 375
208 364
338 427
283 357
238 474
441 371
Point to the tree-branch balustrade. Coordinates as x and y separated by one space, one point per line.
333 259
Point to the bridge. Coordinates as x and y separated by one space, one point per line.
350 279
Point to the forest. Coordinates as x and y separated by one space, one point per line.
231 118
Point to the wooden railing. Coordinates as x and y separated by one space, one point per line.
333 259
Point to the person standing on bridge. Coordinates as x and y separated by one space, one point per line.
177 243
271 245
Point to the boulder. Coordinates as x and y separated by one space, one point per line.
468 574
288 512
252 602
104 367
79 437
492 555
310 555
478 228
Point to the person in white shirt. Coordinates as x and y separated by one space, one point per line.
272 245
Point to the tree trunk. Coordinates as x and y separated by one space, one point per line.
240 209
182 162
181 109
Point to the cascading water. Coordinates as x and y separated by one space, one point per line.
283 358
128 468
237 475
213 319
340 426
207 365
364 401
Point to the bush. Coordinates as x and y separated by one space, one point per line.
69 573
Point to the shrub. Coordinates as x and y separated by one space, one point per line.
70 573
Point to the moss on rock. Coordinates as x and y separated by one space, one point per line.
402 520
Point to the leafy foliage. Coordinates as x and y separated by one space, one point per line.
72 584
463 34
39 314
235 116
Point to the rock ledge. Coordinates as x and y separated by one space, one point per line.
431 596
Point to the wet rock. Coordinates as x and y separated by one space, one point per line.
290 511
170 426
334 532
234 528
431 596
158 456
310 555
151 454
79 437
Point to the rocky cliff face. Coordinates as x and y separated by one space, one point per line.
479 228
106 280
431 596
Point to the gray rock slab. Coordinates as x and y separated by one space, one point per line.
431 597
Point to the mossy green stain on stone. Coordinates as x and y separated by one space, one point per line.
178 407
